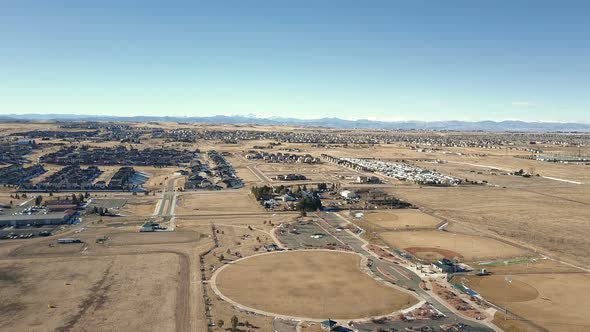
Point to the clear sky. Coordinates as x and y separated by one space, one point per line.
386 60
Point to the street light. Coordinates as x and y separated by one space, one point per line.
508 282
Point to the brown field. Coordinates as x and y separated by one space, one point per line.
139 205
556 224
392 220
554 301
534 266
217 202
310 284
319 172
117 239
469 247
65 294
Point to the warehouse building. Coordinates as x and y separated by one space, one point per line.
51 218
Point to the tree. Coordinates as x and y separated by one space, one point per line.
221 258
234 323
220 323
38 200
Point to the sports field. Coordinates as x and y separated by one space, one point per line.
401 219
557 302
433 245
314 284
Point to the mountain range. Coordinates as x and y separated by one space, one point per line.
495 126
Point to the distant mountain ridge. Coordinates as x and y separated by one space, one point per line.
496 126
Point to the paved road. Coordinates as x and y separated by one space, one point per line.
166 206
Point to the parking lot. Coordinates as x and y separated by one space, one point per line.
8 233
308 234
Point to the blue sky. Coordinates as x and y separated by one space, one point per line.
386 60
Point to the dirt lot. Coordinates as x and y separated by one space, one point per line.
470 247
392 220
139 205
134 238
64 294
217 202
554 301
310 284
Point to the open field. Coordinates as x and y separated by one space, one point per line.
530 216
217 202
392 220
132 238
425 244
64 294
139 205
315 284
537 265
555 301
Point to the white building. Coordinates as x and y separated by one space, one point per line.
348 194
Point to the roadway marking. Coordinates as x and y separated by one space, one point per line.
402 273
387 274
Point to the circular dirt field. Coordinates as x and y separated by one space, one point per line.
499 289
309 284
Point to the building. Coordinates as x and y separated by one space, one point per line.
328 324
348 194
367 179
68 240
50 218
64 207
447 266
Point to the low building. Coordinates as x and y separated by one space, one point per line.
68 240
447 266
348 194
64 207
328 324
50 218
367 179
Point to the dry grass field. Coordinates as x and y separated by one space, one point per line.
314 284
530 216
392 220
64 294
433 245
555 301
132 238
139 205
254 220
217 202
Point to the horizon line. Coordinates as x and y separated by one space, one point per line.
275 118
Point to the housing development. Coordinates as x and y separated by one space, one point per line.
280 228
